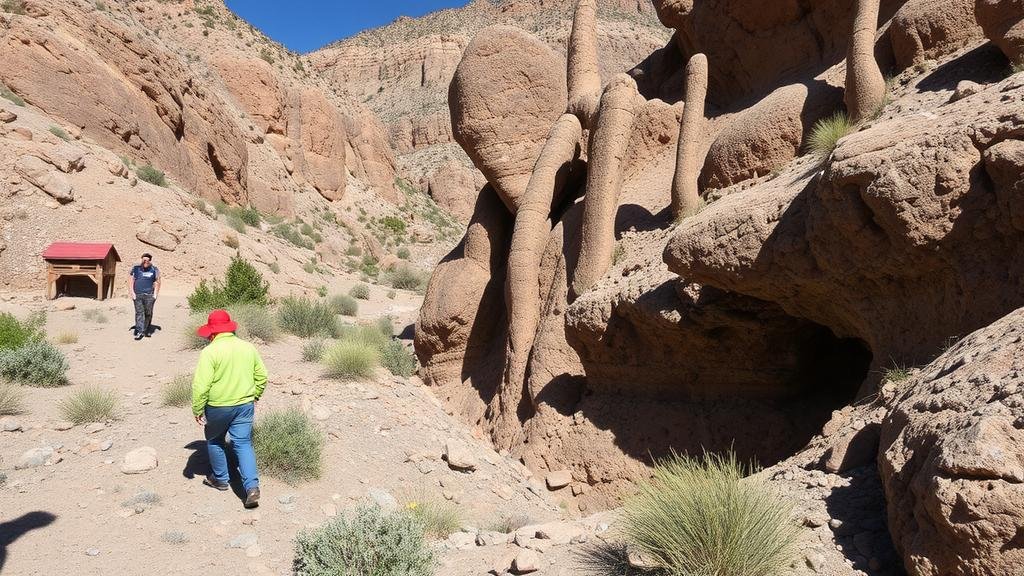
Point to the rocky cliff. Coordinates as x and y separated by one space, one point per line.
690 261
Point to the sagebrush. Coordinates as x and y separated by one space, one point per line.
345 305
177 392
360 292
11 399
367 543
37 363
351 358
313 350
439 518
700 516
288 445
148 173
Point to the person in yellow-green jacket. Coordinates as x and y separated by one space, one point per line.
228 381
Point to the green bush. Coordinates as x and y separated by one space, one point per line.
370 335
385 324
370 543
405 277
89 405
177 392
15 333
6 93
360 292
11 397
236 224
288 446
147 173
321 291
266 55
247 214
397 359
393 224
439 518
304 317
59 133
351 358
696 517
403 253
289 233
826 133
354 250
243 284
37 363
313 350
344 305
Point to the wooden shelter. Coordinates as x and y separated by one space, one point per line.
67 260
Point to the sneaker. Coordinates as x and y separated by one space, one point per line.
252 498
140 336
222 486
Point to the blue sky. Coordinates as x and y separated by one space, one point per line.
304 25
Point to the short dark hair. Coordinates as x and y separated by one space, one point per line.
147 255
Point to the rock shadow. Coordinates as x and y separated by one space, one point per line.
858 513
985 64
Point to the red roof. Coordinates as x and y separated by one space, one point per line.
79 251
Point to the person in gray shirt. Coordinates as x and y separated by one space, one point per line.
144 286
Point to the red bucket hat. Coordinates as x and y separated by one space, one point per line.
218 322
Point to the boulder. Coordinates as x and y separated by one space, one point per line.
40 174
459 457
952 460
507 91
157 235
36 457
1003 24
454 187
928 29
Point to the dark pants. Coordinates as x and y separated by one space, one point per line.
143 312
236 422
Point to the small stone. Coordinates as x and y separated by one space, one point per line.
243 540
489 538
92 552
459 457
6 116
814 561
9 424
964 89
36 457
637 559
94 427
287 498
383 499
525 562
461 540
139 460
63 425
558 479
64 305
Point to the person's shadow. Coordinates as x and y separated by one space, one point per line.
198 464
14 529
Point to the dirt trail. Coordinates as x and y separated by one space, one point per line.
384 436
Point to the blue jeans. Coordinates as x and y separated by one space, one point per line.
235 421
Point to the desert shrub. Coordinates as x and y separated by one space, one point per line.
177 392
243 284
59 133
385 325
95 315
247 214
304 317
393 224
351 358
370 335
321 291
405 277
67 337
231 241
89 405
397 359
896 373
288 445
509 523
274 267
826 133
11 397
354 250
254 322
403 253
369 543
289 233
439 518
392 294
344 304
147 173
6 93
360 291
16 333
37 363
696 517
14 7
236 224
313 350
266 55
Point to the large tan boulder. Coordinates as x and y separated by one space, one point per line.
454 187
1003 23
44 177
506 93
317 128
928 29
952 458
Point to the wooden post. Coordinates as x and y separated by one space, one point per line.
98 277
